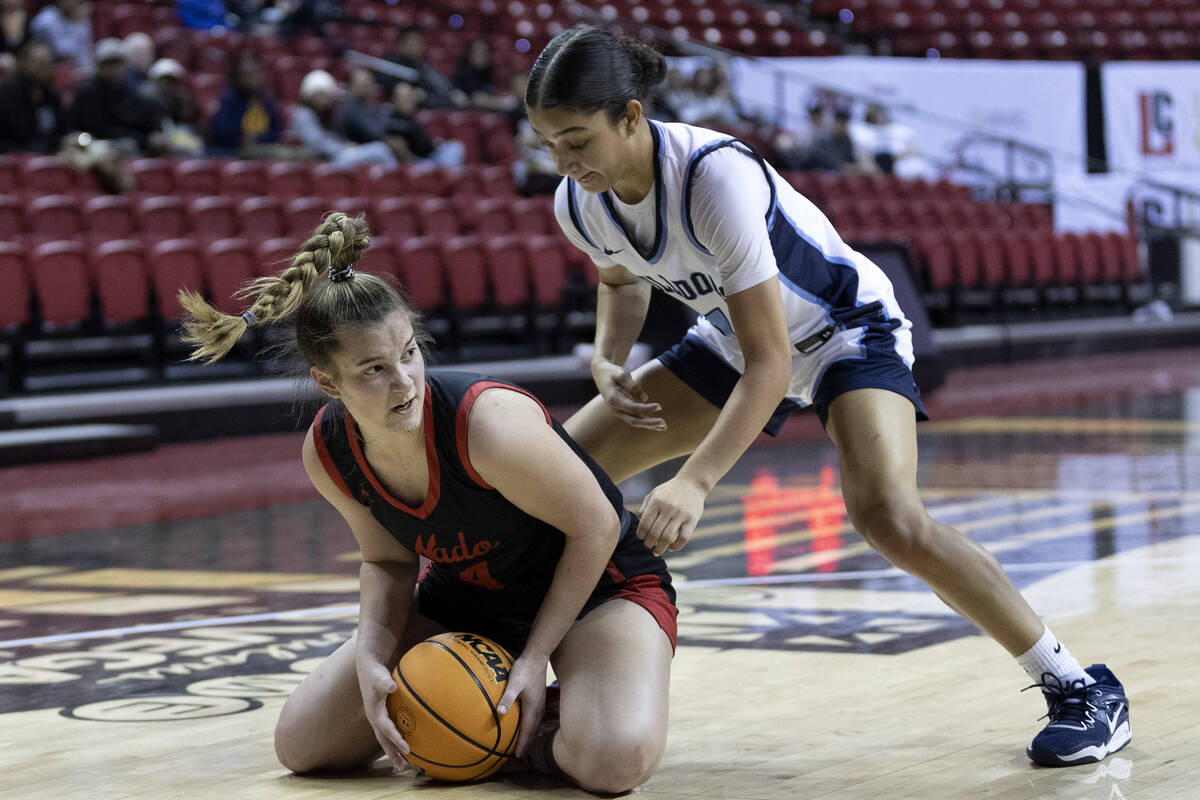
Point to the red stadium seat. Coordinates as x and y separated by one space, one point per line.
54 215
497 181
380 258
330 181
275 254
396 217
507 270
421 271
548 270
261 217
198 176
10 173
492 217
534 216
110 215
212 218
60 279
14 300
385 182
439 218
1066 258
1091 268
48 174
351 206
122 281
12 220
153 175
175 264
243 178
162 217
303 214
228 265
1015 248
465 264
289 179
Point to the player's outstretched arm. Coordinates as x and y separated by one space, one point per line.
513 447
671 510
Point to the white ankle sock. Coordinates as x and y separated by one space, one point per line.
1050 655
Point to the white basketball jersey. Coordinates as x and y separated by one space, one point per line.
719 220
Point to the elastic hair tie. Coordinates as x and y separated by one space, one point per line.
339 275
251 320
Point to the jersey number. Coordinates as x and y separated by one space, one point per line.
478 574
720 321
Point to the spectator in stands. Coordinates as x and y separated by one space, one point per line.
139 56
202 15
108 109
33 116
165 87
711 102
361 117
474 77
414 142
534 172
837 151
312 123
410 52
14 32
802 149
66 26
247 122
311 16
892 145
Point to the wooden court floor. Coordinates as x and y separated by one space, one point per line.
153 616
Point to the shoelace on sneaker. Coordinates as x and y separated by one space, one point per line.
1068 700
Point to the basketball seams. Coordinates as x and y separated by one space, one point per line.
489 752
483 691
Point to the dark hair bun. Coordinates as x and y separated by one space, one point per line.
648 65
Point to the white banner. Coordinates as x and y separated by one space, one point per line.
1152 115
962 111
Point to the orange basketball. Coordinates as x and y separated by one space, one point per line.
445 706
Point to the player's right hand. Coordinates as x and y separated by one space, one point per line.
375 682
625 397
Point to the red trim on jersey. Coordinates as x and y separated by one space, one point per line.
326 459
613 573
464 415
647 591
431 460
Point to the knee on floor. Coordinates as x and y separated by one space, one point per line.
615 764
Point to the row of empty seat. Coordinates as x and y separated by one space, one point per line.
25 174
65 285
157 217
1094 30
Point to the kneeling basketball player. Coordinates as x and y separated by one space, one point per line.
528 541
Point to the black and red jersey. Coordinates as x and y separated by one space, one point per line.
470 531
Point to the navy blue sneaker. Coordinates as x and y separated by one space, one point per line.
1087 723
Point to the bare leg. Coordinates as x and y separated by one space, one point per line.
875 433
614 667
322 725
622 450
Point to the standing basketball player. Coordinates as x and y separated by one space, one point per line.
528 540
790 317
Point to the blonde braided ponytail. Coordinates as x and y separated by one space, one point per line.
335 245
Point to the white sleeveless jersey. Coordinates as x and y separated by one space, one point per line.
720 220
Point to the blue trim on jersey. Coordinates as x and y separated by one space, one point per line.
808 270
685 206
573 210
659 245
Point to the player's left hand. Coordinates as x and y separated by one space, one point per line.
669 515
527 681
